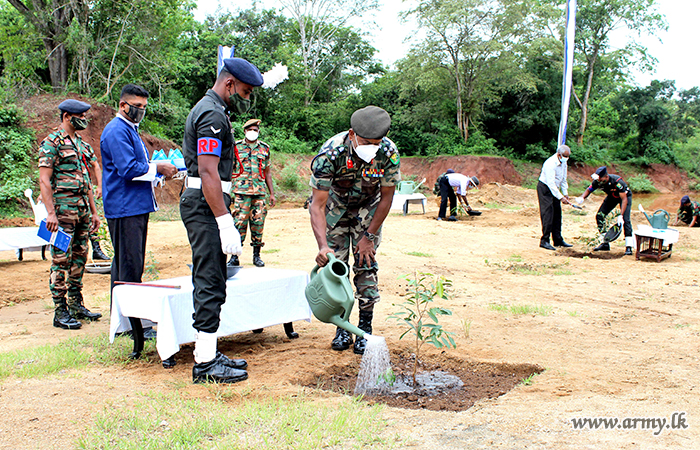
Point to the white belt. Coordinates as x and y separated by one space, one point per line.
196 183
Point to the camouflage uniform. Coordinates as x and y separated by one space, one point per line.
354 195
250 205
70 184
686 213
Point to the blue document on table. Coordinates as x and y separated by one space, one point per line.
59 239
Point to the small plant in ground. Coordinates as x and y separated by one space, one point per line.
389 377
420 318
466 326
151 271
421 254
527 381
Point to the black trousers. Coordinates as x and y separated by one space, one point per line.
129 243
446 192
550 214
608 205
208 261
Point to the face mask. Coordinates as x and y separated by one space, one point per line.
366 152
78 123
564 159
237 103
252 135
135 113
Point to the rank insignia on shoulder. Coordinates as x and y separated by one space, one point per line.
373 173
394 158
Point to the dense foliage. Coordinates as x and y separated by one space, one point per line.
484 79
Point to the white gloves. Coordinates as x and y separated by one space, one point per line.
230 238
579 200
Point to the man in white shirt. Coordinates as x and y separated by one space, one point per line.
552 191
452 183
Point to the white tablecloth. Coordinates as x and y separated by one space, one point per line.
255 298
399 200
668 235
23 237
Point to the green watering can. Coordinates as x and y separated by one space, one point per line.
659 219
408 187
330 296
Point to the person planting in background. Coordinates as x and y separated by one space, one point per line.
688 212
449 182
353 178
618 193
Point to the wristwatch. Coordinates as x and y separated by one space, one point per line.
370 236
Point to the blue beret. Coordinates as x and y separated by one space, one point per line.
450 171
601 171
685 200
244 71
71 106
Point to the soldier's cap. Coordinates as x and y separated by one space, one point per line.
600 172
71 106
244 71
475 180
251 122
450 171
685 200
370 122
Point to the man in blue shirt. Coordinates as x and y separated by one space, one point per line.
127 183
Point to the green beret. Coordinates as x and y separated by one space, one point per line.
370 122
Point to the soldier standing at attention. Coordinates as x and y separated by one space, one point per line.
251 172
353 179
67 193
208 148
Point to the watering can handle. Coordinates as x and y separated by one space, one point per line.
314 271
667 216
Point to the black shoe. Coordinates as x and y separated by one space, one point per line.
149 334
256 257
365 325
239 364
342 340
63 319
452 219
563 244
546 245
258 331
97 253
628 250
80 312
604 247
289 331
233 261
217 372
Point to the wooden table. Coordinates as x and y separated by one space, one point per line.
654 243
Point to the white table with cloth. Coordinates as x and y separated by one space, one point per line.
401 201
655 243
255 298
21 238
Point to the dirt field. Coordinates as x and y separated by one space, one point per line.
617 337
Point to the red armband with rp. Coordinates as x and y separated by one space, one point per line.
209 146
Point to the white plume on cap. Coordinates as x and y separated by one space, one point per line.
275 76
595 177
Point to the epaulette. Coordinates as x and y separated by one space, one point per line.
389 147
264 144
334 152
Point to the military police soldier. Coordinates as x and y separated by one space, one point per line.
251 173
618 193
353 178
67 193
208 148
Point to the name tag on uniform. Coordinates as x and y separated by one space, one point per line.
373 173
209 146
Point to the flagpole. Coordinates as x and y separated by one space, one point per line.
568 68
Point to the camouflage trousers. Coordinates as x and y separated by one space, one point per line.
250 210
343 237
67 267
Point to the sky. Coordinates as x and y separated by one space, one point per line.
677 59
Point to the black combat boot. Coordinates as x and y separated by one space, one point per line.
78 310
256 257
365 325
97 253
217 370
233 261
342 340
63 319
628 250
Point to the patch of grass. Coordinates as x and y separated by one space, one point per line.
563 272
175 420
420 254
466 327
74 353
516 258
271 250
517 310
527 381
516 264
577 212
151 271
166 213
574 313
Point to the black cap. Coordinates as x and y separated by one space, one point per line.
601 171
685 200
71 106
450 171
370 122
244 71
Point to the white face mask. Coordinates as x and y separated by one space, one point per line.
252 135
366 152
564 158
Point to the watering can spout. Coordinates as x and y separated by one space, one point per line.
330 295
